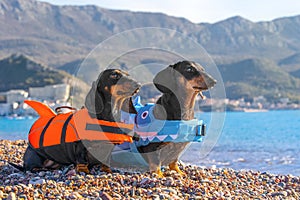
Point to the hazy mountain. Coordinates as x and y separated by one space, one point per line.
291 63
255 77
254 58
20 72
296 74
61 34
71 67
57 35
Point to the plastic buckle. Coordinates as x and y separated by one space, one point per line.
201 130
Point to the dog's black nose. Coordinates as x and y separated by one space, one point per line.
214 81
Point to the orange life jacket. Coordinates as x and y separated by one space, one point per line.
52 129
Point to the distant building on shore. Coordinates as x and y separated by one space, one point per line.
5 109
18 96
59 92
11 102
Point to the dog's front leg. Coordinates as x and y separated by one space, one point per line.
82 164
100 153
154 162
32 160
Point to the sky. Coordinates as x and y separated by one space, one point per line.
198 11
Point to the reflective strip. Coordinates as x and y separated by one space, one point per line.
107 129
114 124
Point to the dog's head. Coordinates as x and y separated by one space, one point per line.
112 85
186 75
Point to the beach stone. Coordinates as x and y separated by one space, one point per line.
169 181
11 196
164 196
37 180
281 184
116 196
76 195
105 196
71 172
22 196
144 181
15 175
275 194
284 193
169 190
42 173
155 197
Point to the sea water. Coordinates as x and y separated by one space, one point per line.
263 141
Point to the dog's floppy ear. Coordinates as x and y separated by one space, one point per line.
128 106
164 81
93 100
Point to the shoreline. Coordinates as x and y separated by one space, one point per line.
20 117
197 183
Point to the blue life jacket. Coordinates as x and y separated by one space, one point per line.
151 129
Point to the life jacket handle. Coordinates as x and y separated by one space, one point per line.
59 109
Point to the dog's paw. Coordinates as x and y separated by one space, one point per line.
159 173
106 169
174 166
82 168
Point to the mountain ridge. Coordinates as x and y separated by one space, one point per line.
60 34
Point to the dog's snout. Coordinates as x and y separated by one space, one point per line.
213 81
209 80
130 83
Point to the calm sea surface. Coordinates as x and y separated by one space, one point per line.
265 141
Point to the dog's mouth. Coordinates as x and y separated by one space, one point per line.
199 89
129 93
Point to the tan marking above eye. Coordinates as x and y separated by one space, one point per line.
115 74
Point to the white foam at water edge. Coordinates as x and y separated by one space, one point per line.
239 160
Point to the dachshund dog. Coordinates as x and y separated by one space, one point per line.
108 95
180 84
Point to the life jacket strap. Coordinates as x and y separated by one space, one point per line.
44 131
64 129
41 142
63 138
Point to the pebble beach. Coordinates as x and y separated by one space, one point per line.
197 183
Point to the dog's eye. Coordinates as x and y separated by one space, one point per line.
115 76
190 69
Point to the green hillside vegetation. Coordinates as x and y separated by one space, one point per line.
291 64
255 77
20 72
291 60
296 73
71 67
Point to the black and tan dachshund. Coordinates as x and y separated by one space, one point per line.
104 102
180 84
